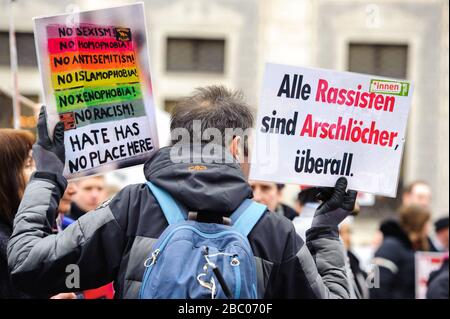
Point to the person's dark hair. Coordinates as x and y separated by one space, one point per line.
441 223
216 107
15 146
308 195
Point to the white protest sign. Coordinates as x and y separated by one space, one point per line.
425 264
315 125
96 79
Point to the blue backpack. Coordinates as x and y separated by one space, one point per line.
192 259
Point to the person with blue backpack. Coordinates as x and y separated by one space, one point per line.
191 231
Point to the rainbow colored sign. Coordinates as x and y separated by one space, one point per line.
96 78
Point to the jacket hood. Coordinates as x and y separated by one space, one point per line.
203 180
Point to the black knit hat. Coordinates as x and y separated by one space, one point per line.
441 223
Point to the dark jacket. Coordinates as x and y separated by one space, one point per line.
112 243
75 211
288 212
395 261
438 283
7 289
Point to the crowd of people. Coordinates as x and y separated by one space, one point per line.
47 223
408 230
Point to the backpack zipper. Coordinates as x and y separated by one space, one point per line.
235 264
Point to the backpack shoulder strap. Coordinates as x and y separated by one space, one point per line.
173 211
247 215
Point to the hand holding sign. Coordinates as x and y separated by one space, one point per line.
49 155
337 204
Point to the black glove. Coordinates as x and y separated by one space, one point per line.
337 204
48 155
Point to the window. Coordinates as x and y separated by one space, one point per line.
6 111
388 60
378 59
26 52
27 117
195 55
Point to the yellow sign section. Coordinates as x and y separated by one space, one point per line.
89 78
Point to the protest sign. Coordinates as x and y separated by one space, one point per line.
96 79
315 125
425 263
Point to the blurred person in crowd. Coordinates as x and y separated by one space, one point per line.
439 242
438 282
62 221
395 257
305 206
284 209
271 195
113 242
16 167
91 192
417 193
359 276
